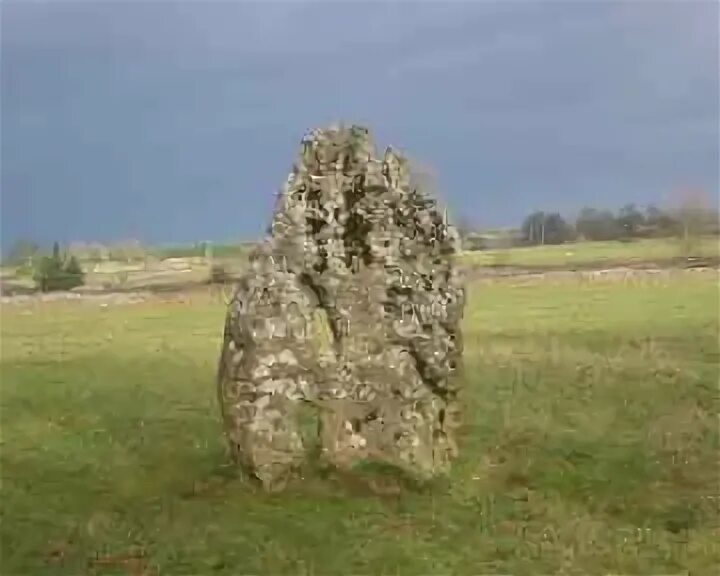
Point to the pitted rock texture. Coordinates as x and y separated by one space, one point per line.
352 311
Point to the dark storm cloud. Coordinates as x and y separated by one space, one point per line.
178 121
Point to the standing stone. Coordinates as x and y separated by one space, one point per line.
352 307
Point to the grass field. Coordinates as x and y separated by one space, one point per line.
657 250
590 446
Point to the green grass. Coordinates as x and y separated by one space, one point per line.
590 446
583 253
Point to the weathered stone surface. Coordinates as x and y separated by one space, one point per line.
352 308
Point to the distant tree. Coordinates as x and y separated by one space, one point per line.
47 270
595 224
560 231
542 228
712 226
630 220
55 273
532 228
74 272
658 222
464 227
694 213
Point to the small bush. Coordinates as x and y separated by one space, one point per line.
53 273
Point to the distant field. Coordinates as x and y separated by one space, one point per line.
218 251
590 446
661 249
233 258
584 253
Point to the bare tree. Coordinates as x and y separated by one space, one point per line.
464 225
693 211
423 178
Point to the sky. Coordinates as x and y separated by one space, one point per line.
174 122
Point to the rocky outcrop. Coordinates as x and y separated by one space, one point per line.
350 317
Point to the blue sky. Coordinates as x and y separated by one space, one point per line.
178 121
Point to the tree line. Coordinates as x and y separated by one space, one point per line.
629 222
595 224
691 216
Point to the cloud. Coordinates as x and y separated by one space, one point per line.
188 108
